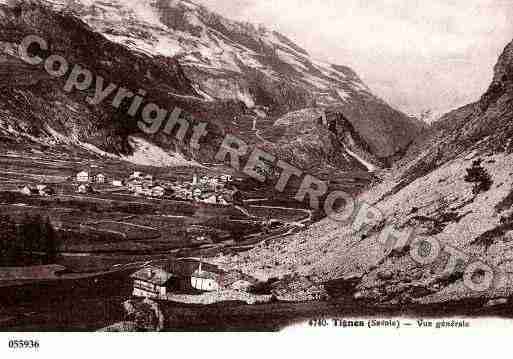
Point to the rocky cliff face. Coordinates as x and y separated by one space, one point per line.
316 140
502 80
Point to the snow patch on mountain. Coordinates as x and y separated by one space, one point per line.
203 39
344 96
370 167
96 150
148 154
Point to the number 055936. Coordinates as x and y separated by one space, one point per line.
23 344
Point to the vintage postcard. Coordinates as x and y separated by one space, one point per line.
254 166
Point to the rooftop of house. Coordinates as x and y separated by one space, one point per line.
186 268
205 274
31 189
154 275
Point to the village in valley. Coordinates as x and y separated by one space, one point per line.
207 189
151 233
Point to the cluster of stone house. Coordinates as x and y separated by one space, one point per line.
136 182
85 188
158 282
39 190
205 189
86 177
85 181
145 185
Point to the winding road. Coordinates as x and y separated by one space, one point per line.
257 131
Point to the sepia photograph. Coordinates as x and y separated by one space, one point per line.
253 166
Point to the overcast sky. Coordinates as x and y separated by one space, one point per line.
416 54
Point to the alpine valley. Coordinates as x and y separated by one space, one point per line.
275 259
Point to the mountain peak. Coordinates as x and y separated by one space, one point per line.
210 42
502 79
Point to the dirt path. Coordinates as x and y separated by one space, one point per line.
308 213
257 131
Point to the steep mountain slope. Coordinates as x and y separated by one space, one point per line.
265 70
316 139
454 188
36 107
216 51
